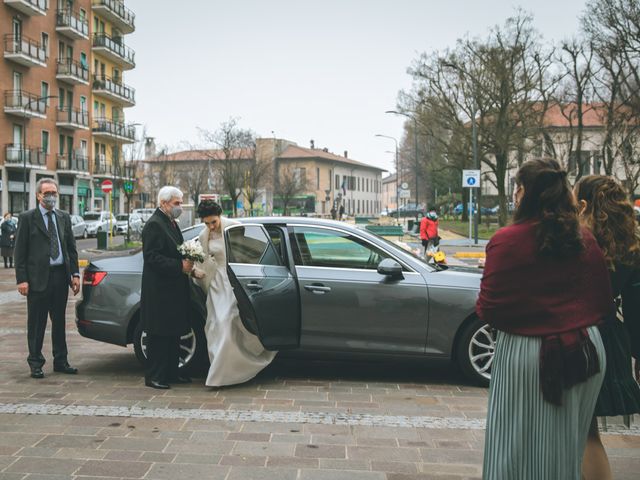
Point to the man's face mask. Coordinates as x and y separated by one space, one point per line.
49 201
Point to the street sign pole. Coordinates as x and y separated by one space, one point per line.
471 180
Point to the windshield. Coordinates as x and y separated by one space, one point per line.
91 216
123 216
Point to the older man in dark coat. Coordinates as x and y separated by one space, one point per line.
164 302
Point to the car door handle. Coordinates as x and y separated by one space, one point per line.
318 289
254 286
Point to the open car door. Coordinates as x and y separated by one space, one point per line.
266 291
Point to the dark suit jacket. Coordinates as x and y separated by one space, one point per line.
164 300
31 255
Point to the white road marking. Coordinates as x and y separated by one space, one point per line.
262 416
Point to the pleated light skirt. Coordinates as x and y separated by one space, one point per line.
526 437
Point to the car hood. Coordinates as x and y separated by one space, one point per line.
459 277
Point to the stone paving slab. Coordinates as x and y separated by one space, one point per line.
298 420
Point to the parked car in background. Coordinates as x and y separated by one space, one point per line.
122 223
79 227
144 213
136 223
410 210
99 222
311 287
636 210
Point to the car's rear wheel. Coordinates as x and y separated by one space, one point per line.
193 348
475 351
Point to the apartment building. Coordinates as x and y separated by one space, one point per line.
47 125
329 179
110 59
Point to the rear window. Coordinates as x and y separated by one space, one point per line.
122 217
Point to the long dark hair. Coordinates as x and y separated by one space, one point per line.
549 202
609 215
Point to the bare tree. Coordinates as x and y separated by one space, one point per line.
290 182
237 153
576 58
257 177
502 82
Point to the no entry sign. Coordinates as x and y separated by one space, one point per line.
107 186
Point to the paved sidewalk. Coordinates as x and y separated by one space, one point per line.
297 420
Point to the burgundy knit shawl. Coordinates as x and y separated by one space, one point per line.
526 293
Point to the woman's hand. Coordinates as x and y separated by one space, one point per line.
197 273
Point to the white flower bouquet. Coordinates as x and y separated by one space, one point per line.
191 250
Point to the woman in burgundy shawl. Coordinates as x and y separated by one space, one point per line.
545 288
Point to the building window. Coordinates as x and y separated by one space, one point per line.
61 144
337 182
44 91
45 43
317 178
83 15
45 141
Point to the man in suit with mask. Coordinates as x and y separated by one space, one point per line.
164 300
46 262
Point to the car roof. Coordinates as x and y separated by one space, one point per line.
311 221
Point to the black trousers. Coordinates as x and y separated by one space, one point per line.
40 305
163 354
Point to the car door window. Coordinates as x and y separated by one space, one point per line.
331 248
251 245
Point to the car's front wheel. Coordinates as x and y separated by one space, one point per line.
85 235
193 347
475 351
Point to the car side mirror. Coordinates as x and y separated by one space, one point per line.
390 268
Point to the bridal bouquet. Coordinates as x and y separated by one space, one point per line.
191 250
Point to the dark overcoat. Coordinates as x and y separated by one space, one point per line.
164 300
31 255
7 234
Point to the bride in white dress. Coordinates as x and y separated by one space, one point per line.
236 355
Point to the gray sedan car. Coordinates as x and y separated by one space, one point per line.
315 288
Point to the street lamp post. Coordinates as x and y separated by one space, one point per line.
23 150
415 138
397 175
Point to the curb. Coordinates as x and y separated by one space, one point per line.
470 255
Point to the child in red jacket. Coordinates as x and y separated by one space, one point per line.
429 230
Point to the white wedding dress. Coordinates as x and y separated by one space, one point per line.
236 355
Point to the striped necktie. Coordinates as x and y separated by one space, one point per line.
54 247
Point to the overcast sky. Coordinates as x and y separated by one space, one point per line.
325 70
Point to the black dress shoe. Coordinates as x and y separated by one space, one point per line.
37 373
181 379
66 369
155 384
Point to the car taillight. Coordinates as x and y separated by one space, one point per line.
93 278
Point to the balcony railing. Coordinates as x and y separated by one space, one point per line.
100 166
29 7
71 118
72 72
25 51
118 130
116 13
74 162
24 104
24 155
114 89
114 49
71 24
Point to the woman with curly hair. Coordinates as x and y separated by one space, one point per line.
236 354
545 288
607 212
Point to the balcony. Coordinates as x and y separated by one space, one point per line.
75 162
29 7
70 23
25 51
115 11
72 72
114 90
23 104
20 155
100 167
114 50
110 130
72 119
